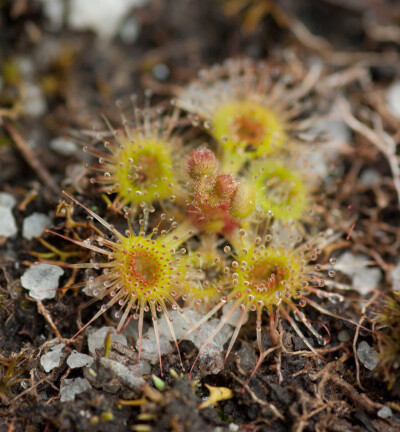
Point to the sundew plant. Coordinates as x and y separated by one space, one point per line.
211 222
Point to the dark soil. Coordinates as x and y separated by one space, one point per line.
81 75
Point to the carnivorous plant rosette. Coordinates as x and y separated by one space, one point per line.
141 160
251 108
139 272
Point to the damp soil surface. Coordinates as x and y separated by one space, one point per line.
78 75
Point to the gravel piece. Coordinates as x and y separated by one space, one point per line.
393 99
369 177
96 339
42 280
212 356
8 227
63 146
385 412
79 360
344 336
7 200
33 100
71 387
124 375
54 11
143 368
94 14
129 31
364 279
52 359
395 275
34 225
367 355
150 348
234 318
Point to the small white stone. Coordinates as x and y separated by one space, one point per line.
7 200
367 355
97 338
104 17
52 359
182 327
42 280
344 336
179 324
233 427
54 11
334 131
385 412
8 227
317 162
33 100
71 387
78 360
393 99
212 354
367 280
26 67
143 368
150 348
218 341
347 263
235 316
122 373
331 128
129 31
63 146
364 279
369 177
395 275
34 225
161 72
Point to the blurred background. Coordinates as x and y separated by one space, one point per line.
61 60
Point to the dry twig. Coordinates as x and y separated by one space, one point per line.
378 137
32 160
42 310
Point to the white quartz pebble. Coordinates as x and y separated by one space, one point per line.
71 387
42 280
34 225
78 360
104 17
97 338
393 99
367 355
8 227
52 359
